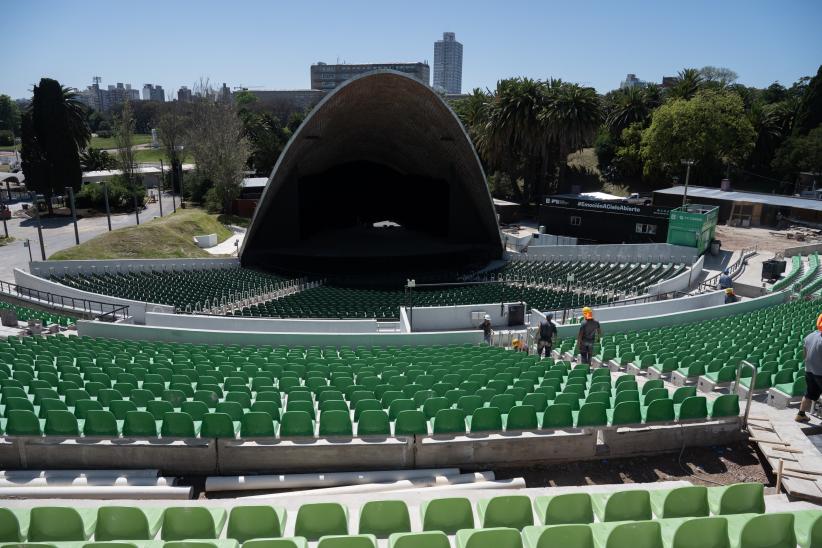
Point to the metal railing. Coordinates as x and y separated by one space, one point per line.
89 309
712 283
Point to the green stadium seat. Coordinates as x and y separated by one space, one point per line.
630 505
566 536
335 423
60 524
448 515
293 542
639 534
486 419
127 523
428 539
139 424
296 424
449 421
521 417
762 531
564 509
348 541
192 522
382 518
253 522
100 423
410 422
513 511
558 416
321 519
680 502
61 423
696 532
23 423
14 525
500 537
178 425
739 498
374 422
808 528
218 425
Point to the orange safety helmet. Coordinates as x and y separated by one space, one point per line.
587 313
819 322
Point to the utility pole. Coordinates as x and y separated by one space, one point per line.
108 210
688 163
136 208
160 189
39 230
73 214
27 244
182 193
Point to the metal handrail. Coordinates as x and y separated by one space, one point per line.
91 309
739 366
713 282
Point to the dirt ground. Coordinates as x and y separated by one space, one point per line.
716 465
766 239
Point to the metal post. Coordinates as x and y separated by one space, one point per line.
28 245
688 163
160 189
136 209
8 188
182 192
5 227
108 210
39 230
73 214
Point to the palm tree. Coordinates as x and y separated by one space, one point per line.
473 111
630 105
94 159
688 82
514 138
572 114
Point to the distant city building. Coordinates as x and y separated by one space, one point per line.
224 94
669 81
631 81
327 77
102 99
153 93
184 94
448 64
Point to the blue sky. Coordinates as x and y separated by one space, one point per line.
271 44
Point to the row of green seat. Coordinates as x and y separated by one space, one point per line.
25 314
376 517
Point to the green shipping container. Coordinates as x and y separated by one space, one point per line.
693 226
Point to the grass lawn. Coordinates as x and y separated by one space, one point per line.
9 148
108 142
234 220
154 155
6 241
161 238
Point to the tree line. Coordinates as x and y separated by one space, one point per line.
525 128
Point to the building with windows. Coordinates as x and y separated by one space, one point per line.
631 81
327 77
153 93
448 64
184 94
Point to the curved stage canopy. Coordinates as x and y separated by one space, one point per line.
379 177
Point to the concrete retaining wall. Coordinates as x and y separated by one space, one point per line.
136 309
211 456
61 268
803 250
278 325
458 317
678 283
250 338
660 308
679 318
613 253
551 240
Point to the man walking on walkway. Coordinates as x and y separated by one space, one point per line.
547 334
812 354
589 331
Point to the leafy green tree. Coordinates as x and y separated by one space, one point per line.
9 115
53 132
711 128
809 115
800 153
629 106
718 76
172 130
93 159
628 157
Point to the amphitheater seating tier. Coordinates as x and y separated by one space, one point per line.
682 517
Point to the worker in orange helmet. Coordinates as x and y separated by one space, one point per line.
589 331
812 356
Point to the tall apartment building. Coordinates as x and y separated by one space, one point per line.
153 93
326 77
184 94
448 64
631 81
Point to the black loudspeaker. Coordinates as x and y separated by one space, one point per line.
772 269
516 314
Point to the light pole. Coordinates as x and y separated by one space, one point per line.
160 188
39 229
688 163
27 244
73 214
108 210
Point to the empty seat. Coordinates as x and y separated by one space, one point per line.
765 531
639 534
60 524
681 502
250 522
447 515
192 522
565 536
348 541
500 537
127 523
321 519
384 517
565 508
739 498
631 505
427 539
